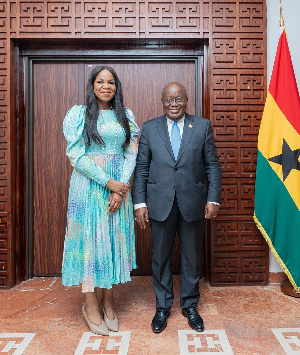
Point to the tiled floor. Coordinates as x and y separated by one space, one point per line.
42 317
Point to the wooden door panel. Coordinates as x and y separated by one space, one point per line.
55 90
57 87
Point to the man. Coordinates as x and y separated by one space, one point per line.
177 153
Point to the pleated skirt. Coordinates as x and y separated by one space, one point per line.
99 247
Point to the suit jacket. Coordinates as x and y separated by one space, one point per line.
158 176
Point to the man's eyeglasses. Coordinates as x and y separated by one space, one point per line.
178 100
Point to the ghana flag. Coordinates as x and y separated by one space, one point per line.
277 187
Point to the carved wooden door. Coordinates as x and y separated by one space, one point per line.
57 86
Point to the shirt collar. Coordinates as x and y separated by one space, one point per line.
179 122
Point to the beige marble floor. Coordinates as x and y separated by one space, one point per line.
42 317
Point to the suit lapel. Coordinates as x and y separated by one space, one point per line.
162 128
188 130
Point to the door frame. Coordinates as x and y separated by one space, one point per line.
32 56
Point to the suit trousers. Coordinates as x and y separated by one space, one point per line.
163 239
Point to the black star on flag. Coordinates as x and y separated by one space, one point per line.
289 159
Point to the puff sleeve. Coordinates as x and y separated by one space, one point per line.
73 127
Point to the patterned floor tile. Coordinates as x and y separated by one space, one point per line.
206 343
15 343
289 338
117 343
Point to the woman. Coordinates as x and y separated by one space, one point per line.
99 246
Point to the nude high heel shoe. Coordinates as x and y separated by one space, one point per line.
97 329
111 324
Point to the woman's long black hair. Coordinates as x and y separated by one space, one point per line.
92 109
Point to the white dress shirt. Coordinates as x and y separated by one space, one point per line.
180 124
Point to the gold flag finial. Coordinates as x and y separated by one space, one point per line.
281 22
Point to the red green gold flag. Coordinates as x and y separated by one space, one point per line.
277 187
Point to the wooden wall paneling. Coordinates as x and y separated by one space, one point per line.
239 254
236 35
11 140
7 276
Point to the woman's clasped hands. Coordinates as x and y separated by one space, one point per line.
119 190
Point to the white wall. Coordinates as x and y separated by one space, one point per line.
291 12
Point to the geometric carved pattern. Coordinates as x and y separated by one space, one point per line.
240 268
4 148
234 87
236 33
238 234
143 19
237 196
243 51
238 80
237 159
237 123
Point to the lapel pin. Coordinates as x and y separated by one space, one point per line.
190 126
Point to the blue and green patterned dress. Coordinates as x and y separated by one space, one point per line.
99 248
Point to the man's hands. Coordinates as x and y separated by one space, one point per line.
119 190
141 216
211 210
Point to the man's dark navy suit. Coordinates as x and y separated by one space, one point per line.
176 193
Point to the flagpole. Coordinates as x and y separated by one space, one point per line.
281 21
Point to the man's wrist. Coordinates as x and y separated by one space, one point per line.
215 203
139 205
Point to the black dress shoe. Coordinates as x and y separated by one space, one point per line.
195 320
159 321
